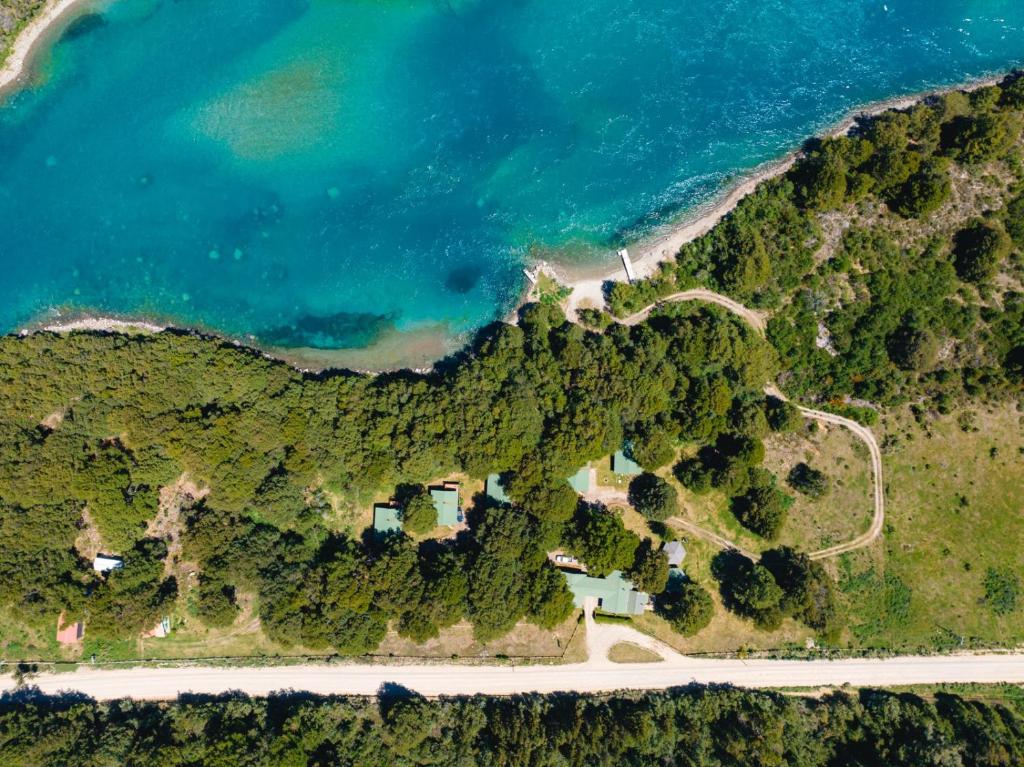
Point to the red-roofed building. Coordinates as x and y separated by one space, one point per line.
70 634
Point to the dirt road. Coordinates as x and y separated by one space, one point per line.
590 677
597 674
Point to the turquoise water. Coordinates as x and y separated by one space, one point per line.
316 172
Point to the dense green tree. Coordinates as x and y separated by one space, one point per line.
653 448
926 190
980 138
762 508
782 415
552 601
808 480
133 597
757 595
649 571
215 602
696 726
808 593
979 247
601 541
508 556
653 497
419 515
1013 218
687 607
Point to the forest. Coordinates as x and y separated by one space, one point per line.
686 727
100 423
890 258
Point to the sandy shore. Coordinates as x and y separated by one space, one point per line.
101 325
647 254
24 45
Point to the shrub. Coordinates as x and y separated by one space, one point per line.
808 481
978 249
1013 218
1002 588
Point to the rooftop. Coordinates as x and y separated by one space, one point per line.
623 464
446 501
386 519
614 593
104 564
676 553
580 481
495 491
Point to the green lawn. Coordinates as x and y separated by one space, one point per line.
954 510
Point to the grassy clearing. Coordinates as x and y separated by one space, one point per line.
955 508
627 652
846 511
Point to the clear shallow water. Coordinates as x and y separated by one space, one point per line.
317 172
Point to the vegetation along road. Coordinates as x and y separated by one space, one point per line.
864 434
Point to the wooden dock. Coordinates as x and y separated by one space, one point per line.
627 265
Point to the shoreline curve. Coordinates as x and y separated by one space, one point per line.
25 45
585 281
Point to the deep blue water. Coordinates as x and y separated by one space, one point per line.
314 172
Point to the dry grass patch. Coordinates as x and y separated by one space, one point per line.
627 652
846 511
524 641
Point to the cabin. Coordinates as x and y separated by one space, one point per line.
387 519
624 465
104 564
494 489
614 593
580 481
162 629
675 552
446 501
70 634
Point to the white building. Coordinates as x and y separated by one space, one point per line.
102 564
676 553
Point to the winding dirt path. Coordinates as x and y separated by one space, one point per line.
758 322
755 319
878 518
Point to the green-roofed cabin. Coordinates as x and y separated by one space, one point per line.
624 465
386 519
614 593
580 481
495 491
446 501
